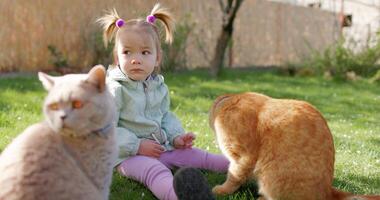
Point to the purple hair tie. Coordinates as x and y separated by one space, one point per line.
119 23
151 19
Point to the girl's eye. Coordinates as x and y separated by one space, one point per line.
54 106
146 52
126 52
77 104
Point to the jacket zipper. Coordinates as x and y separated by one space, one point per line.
146 97
145 86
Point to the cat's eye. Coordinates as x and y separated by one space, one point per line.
54 106
76 104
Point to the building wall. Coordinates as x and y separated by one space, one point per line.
266 33
365 18
271 33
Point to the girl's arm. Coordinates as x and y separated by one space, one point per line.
128 143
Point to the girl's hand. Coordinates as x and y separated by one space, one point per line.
184 141
150 148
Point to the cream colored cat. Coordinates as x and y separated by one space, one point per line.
285 144
70 155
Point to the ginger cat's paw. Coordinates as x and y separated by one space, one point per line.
223 190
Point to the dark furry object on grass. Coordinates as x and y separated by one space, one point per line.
190 184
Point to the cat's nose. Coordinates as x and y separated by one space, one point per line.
63 117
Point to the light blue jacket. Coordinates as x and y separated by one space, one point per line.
142 112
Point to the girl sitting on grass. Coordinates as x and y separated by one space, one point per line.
151 139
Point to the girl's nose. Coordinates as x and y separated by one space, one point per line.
135 62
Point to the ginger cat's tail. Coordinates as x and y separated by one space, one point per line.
340 195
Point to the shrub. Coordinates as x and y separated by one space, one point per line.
376 77
102 54
175 54
58 60
338 60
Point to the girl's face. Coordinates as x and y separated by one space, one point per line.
137 54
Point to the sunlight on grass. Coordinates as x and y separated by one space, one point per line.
352 110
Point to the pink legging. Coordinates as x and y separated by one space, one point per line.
156 174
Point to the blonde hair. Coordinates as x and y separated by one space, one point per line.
167 19
108 23
110 29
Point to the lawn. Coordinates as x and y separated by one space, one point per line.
352 110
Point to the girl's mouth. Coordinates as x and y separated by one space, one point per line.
136 70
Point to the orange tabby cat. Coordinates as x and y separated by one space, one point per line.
285 144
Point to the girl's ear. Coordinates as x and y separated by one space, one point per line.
159 58
46 80
97 76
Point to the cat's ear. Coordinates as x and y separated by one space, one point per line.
97 76
46 80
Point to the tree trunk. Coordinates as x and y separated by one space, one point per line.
220 50
229 13
230 53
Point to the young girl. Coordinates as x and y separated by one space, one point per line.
151 139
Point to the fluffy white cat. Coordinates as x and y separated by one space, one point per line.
70 154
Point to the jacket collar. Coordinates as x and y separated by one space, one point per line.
114 73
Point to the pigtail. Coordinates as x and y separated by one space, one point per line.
166 18
108 23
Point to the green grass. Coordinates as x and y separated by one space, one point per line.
352 110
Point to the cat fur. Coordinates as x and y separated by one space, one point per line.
64 159
286 145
